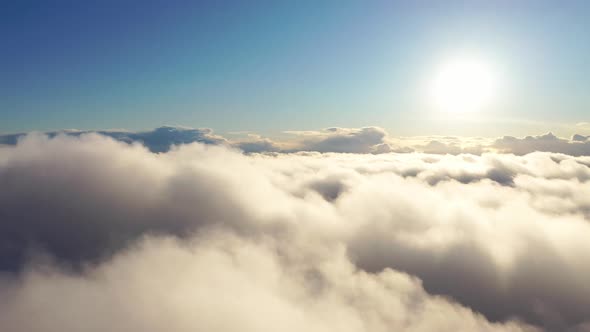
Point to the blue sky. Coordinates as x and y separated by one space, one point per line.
274 66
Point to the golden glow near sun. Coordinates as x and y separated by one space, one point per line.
463 85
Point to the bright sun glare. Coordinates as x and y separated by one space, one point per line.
463 85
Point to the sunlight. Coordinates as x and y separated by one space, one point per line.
463 85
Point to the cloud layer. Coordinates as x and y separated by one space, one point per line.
204 237
344 140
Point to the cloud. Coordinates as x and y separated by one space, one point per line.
256 144
160 139
578 146
350 140
85 199
437 147
220 282
345 140
120 236
580 138
10 139
365 140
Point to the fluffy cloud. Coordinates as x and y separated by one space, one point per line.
365 140
256 144
578 146
160 139
221 283
204 237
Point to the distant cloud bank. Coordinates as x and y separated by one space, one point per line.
156 140
97 234
373 140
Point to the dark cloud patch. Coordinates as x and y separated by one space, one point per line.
10 139
329 188
501 173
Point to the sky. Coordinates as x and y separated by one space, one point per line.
275 66
351 166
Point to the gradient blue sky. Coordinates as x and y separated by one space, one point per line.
284 65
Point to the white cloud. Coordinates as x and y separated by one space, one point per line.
365 140
347 140
223 283
204 237
578 146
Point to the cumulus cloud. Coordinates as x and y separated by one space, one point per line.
350 140
365 140
221 283
438 147
257 144
580 138
160 139
204 237
578 146
335 139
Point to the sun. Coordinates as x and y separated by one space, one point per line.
463 85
